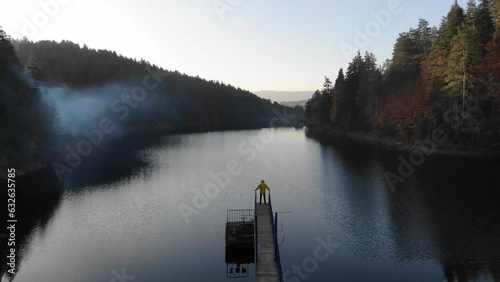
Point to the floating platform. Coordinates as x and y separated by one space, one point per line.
251 237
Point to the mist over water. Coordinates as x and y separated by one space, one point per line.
83 109
80 109
81 114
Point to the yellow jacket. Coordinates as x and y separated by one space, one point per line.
262 186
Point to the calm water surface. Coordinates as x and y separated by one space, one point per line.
441 224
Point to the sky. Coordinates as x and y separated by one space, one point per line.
284 45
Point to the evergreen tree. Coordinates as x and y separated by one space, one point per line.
353 76
26 123
366 100
179 100
431 71
7 53
404 53
337 95
462 64
33 68
326 101
495 13
454 21
480 23
313 107
486 27
327 86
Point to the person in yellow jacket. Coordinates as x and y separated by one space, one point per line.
262 186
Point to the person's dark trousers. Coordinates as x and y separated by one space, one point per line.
262 196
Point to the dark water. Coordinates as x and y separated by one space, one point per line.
441 224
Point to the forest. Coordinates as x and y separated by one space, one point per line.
27 125
32 129
445 77
197 100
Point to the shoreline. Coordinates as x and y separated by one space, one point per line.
146 134
397 144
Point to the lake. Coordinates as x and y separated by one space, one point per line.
156 223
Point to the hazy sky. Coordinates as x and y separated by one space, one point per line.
254 44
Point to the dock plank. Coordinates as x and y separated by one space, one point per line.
266 268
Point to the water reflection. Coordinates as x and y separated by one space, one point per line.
442 223
111 161
239 238
464 215
38 196
447 211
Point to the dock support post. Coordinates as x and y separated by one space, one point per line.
275 236
255 237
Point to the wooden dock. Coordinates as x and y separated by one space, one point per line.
267 261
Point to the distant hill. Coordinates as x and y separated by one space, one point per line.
291 104
178 101
284 95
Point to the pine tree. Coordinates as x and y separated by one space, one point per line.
370 77
353 78
480 21
338 94
326 101
33 68
495 12
462 65
454 21
403 56
7 53
327 86
312 106
423 38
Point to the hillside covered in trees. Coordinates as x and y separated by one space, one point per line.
201 104
51 93
446 77
26 123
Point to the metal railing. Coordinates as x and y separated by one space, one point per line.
255 246
277 257
256 238
274 222
258 197
246 215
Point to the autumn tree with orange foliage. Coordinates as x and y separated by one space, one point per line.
446 77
